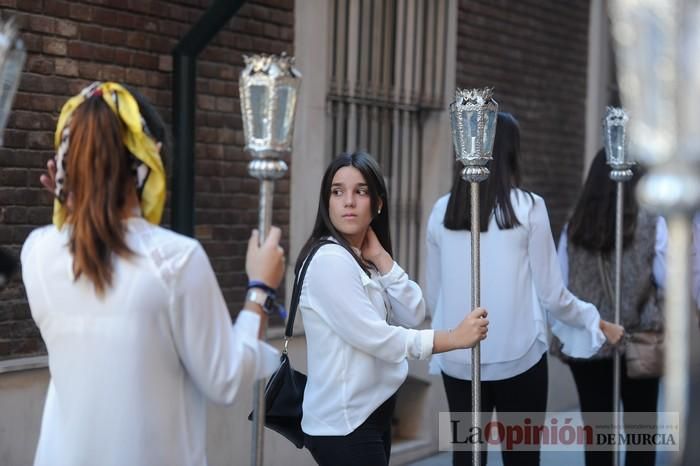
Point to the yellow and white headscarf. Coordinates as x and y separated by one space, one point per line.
148 166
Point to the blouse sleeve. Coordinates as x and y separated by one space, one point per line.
221 358
563 256
405 296
576 323
337 295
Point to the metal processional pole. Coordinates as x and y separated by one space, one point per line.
473 116
268 91
615 141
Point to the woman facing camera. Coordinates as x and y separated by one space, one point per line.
358 306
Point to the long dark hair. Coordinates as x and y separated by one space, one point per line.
494 193
592 224
369 168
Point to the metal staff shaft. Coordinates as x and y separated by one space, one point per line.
678 325
618 302
476 298
267 188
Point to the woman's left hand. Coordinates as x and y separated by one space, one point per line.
613 332
373 251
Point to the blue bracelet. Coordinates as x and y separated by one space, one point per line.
282 312
263 286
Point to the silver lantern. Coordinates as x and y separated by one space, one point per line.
269 86
12 57
473 116
657 45
615 141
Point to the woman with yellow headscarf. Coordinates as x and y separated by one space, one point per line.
135 325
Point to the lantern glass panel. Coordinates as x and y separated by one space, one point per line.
259 101
472 133
490 117
454 119
616 151
284 112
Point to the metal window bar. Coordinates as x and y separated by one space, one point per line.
387 69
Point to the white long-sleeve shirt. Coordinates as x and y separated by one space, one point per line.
131 372
356 357
659 263
521 287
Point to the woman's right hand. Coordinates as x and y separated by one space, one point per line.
471 330
613 332
265 263
48 179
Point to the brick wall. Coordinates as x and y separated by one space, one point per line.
70 44
535 55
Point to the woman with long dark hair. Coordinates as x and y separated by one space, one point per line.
136 327
356 303
520 280
586 251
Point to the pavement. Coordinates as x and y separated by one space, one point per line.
562 398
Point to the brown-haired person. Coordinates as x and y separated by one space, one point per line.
136 327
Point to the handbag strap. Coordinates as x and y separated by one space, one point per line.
296 293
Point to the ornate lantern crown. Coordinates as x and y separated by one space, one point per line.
269 86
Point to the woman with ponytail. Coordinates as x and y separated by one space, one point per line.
136 327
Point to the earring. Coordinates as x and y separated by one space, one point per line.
379 211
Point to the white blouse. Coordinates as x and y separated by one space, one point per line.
356 343
131 372
521 287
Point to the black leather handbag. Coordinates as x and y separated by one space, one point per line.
284 392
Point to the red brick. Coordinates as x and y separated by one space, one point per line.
41 24
57 8
54 46
39 140
136 77
90 33
90 52
165 63
39 64
66 28
81 11
114 37
144 60
66 67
